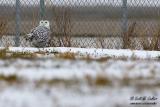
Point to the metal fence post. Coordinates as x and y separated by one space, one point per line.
124 16
42 9
17 39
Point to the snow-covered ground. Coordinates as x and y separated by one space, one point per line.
91 52
53 82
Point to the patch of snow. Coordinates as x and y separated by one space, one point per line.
24 98
92 52
81 94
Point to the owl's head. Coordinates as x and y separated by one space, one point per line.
44 23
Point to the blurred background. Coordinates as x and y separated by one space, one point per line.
73 72
85 23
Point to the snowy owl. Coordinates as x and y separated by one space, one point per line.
40 36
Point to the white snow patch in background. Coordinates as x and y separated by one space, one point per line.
92 52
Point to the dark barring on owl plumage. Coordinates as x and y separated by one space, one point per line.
40 36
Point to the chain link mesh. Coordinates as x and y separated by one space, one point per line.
86 23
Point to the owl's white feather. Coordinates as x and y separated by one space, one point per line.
40 35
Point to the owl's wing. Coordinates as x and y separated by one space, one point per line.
41 33
32 33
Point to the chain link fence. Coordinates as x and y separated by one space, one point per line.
84 23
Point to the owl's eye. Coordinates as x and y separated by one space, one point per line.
45 22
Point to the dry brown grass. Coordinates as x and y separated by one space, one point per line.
34 20
100 80
144 40
74 56
5 54
150 42
128 35
66 55
22 55
155 40
3 27
9 79
100 42
63 24
103 59
57 81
